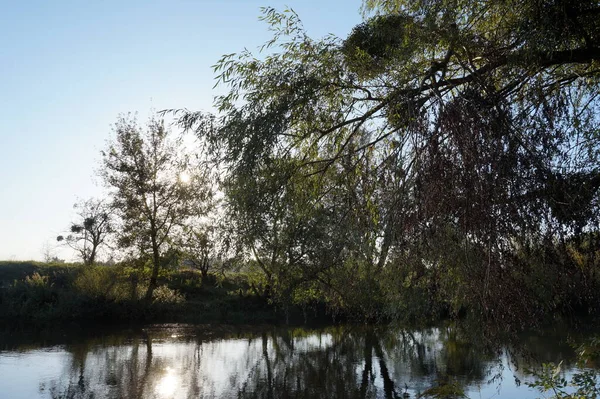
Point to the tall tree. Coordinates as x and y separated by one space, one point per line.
89 233
155 188
479 119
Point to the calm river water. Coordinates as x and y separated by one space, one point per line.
174 361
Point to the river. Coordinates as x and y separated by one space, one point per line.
180 361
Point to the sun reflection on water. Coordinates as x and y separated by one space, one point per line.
168 384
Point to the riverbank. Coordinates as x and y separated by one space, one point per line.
33 292
38 293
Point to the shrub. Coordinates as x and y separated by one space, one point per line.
37 289
165 295
33 294
96 282
37 281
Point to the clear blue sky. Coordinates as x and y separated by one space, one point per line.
68 68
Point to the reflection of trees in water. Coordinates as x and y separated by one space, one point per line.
336 362
364 363
295 368
111 371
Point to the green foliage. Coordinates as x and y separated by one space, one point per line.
440 159
116 294
165 295
372 46
96 282
37 289
144 168
550 379
34 294
583 384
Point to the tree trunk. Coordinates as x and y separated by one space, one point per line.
385 245
204 269
155 268
92 258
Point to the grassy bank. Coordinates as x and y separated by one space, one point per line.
46 293
39 293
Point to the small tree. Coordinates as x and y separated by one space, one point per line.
89 233
49 254
199 247
155 188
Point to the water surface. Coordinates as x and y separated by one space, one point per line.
265 362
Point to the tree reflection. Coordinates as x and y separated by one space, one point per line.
352 362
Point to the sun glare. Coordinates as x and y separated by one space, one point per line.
167 385
184 177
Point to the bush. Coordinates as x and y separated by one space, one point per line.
34 294
96 282
165 295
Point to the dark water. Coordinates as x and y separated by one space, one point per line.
226 362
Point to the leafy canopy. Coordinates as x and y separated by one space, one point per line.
473 123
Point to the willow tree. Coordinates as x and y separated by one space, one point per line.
155 188
480 119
